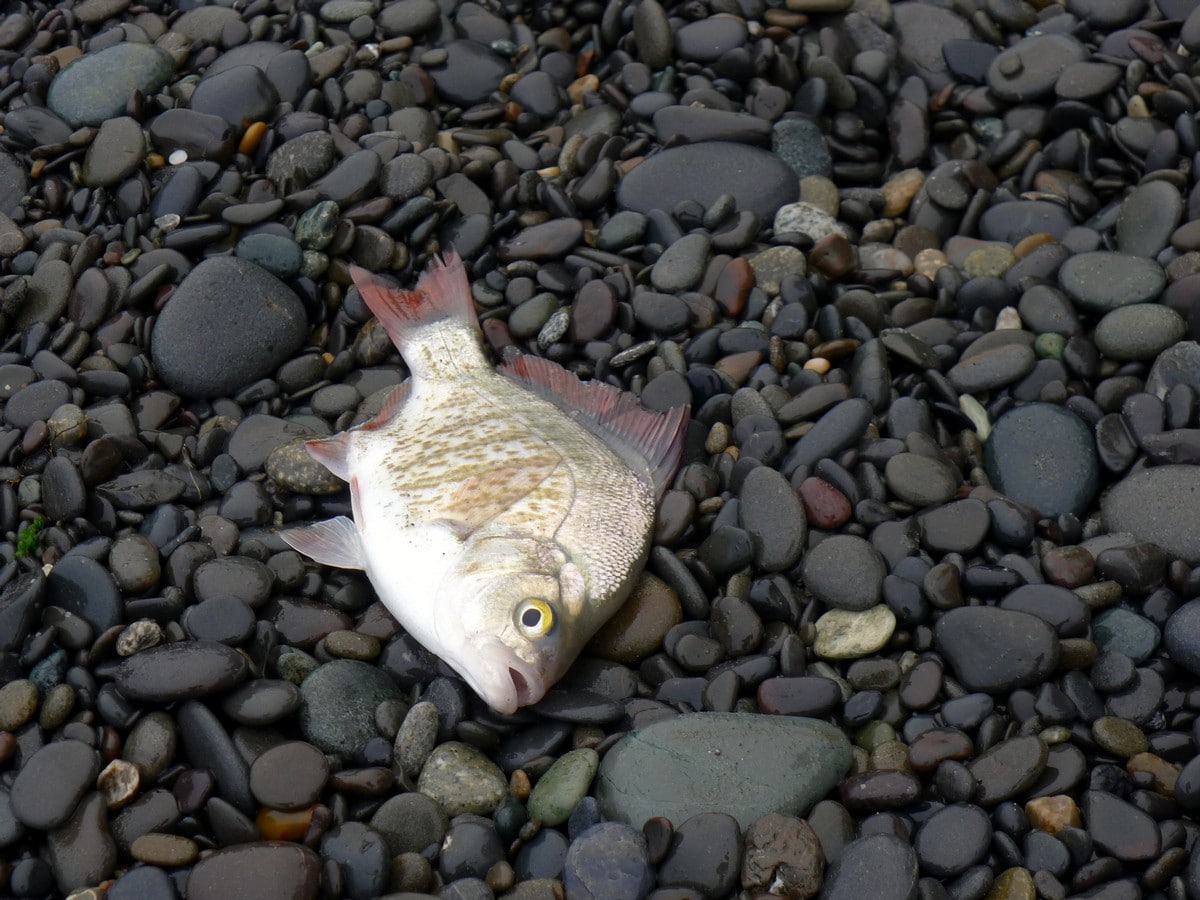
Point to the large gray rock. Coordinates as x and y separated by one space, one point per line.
736 763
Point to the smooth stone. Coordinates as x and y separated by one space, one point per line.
208 745
407 17
921 29
82 851
261 701
921 480
228 323
957 527
1030 69
338 702
850 634
115 152
773 516
758 180
83 587
1160 505
689 764
1175 365
471 72
953 839
1015 220
361 853
995 650
1119 828
845 572
1045 457
798 141
705 855
51 783
289 776
991 368
547 240
637 629
96 86
1148 215
563 785
180 670
254 871
707 39
1138 332
1101 281
462 780
238 95
1008 769
609 860
1121 631
880 866
1181 635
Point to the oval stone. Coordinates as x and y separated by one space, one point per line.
745 765
180 671
1160 505
996 650
1045 457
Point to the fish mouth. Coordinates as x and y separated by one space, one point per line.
505 682
525 694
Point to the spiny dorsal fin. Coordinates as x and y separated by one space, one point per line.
442 292
391 408
651 442
333 542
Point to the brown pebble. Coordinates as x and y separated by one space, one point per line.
164 849
1054 813
371 781
518 785
933 747
1165 774
118 783
500 877
824 505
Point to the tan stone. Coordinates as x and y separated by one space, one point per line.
1054 813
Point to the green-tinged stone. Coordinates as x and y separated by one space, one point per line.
18 703
873 734
316 226
1049 345
338 701
850 634
96 86
295 665
462 780
737 763
1125 632
564 785
1013 884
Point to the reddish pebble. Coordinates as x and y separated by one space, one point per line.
593 312
1069 567
733 286
824 505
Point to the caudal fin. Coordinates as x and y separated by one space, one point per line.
442 292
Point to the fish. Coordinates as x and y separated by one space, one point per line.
501 515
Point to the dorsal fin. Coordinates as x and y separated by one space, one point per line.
651 442
391 408
442 292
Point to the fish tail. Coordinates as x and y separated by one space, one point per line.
442 296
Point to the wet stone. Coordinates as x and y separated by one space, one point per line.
671 767
705 855
471 72
1138 332
759 181
1118 828
879 865
1102 281
1043 456
773 516
845 572
953 839
1031 68
1158 505
228 323
957 527
96 86
51 783
289 776
83 587
462 780
180 670
996 650
338 701
81 851
256 870
1126 633
562 786
362 855
852 634
410 822
1008 769
116 151
1148 215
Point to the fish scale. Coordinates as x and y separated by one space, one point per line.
502 518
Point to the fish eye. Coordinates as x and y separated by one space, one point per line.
535 618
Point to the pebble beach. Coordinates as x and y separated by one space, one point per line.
921 618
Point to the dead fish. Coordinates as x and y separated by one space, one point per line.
502 517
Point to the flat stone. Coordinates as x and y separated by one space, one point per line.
846 634
1160 505
254 871
1030 69
1148 215
180 670
1101 281
1140 331
880 866
745 765
758 180
462 780
338 702
228 323
1045 457
996 650
96 86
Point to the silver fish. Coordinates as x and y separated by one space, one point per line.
502 517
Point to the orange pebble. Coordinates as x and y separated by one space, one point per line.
277 825
252 138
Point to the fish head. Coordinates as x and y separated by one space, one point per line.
519 609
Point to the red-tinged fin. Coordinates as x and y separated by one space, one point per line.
649 441
333 453
333 542
442 292
391 408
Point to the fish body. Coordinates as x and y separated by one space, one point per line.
502 517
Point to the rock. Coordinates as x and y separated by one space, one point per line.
746 765
96 86
1158 505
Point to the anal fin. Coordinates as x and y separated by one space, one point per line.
333 542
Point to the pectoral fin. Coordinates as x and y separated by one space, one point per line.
481 497
333 542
